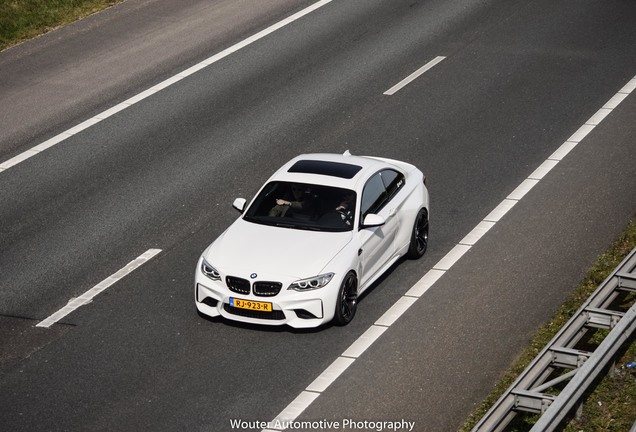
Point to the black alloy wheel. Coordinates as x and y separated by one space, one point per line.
419 236
347 302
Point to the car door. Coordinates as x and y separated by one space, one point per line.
377 244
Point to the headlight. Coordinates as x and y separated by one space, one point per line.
210 271
311 283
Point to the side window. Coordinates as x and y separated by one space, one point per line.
373 196
393 182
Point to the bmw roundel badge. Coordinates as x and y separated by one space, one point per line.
253 275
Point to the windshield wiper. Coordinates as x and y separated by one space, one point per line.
297 226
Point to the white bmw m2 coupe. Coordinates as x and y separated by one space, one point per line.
320 231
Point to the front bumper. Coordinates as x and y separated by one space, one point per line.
296 309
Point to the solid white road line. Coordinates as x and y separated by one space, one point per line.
413 76
374 332
88 296
162 85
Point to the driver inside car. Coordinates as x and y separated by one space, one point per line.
296 201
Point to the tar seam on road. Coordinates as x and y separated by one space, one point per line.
346 359
88 296
162 85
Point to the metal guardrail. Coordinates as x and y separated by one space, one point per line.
529 392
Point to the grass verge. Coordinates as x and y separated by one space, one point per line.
25 19
610 405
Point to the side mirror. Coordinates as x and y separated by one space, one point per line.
239 204
373 220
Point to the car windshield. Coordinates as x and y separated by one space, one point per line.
304 206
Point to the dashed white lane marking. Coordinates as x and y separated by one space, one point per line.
452 257
344 361
162 85
396 311
478 232
365 341
293 410
330 374
88 296
426 283
406 81
501 210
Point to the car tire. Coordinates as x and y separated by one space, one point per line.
419 235
347 301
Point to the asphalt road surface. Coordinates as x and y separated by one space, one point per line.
515 80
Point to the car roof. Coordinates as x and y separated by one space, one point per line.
340 170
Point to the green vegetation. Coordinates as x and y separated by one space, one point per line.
610 406
25 19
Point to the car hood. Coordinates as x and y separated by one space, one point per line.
274 252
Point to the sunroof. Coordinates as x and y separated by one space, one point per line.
334 169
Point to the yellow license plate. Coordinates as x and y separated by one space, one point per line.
251 305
